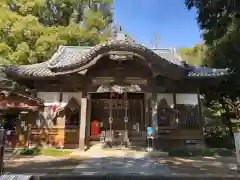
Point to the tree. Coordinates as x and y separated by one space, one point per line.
193 55
59 12
32 30
220 23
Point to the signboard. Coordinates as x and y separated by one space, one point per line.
149 131
236 130
103 80
237 145
116 104
136 80
5 104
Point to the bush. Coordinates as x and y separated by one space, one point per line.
225 152
218 137
220 142
208 152
179 153
30 152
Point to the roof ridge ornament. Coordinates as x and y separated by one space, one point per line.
120 35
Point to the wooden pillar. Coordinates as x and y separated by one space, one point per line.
174 100
200 113
175 108
83 122
88 120
146 110
154 113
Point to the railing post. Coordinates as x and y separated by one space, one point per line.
2 149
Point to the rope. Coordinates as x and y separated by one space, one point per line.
126 117
110 116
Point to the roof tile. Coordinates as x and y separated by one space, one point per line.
70 55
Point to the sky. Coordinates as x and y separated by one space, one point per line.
174 24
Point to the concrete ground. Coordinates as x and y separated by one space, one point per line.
122 163
212 166
41 165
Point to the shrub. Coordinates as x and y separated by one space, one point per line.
30 152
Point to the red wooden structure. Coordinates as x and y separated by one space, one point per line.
95 128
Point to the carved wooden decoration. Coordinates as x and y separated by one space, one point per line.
166 115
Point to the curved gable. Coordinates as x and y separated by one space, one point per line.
70 59
77 59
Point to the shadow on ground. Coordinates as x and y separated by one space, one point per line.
49 167
103 165
112 164
122 165
201 165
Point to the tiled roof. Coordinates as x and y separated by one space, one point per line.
170 55
33 70
206 72
69 54
69 58
73 57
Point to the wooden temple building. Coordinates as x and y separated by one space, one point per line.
120 87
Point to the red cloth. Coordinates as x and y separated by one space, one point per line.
54 108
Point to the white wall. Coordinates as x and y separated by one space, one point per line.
167 96
49 98
52 98
191 99
69 95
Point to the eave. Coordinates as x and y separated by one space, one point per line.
70 61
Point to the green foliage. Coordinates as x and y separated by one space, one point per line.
27 151
214 17
32 30
41 151
220 23
193 55
216 131
55 152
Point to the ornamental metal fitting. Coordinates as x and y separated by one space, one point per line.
110 119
